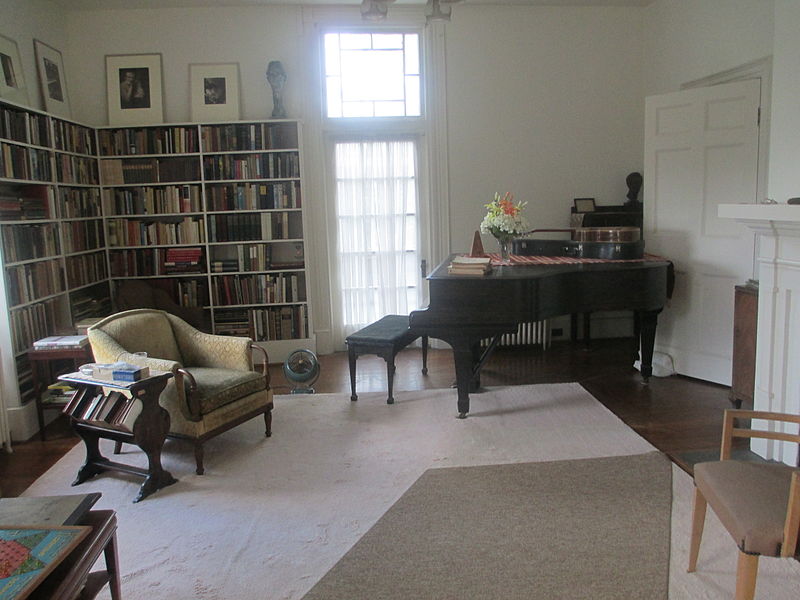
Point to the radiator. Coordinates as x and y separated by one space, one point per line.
527 334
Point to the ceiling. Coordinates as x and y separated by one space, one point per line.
111 4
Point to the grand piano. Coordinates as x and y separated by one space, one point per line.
464 310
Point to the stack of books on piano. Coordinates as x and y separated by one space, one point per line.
470 265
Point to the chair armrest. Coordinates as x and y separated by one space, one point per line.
155 364
730 431
265 365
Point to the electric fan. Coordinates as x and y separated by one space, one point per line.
301 368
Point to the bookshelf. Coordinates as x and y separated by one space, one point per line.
53 248
213 214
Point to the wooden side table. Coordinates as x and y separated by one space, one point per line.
74 577
149 431
42 374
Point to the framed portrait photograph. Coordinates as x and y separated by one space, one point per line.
50 66
12 80
214 92
135 89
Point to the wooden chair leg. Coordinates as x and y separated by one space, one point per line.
746 572
198 458
268 422
117 447
698 521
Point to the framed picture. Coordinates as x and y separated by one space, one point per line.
584 204
12 81
214 92
135 90
50 66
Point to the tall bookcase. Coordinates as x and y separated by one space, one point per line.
213 214
53 248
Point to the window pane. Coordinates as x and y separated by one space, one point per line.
413 105
372 75
334 93
357 109
412 54
390 109
331 53
356 41
385 41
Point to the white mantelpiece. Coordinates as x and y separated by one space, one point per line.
778 341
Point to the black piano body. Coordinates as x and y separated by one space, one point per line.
464 310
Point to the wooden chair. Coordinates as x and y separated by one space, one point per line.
758 503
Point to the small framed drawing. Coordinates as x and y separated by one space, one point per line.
12 80
135 89
214 92
50 66
583 205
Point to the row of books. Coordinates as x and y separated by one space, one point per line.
249 136
152 200
164 231
32 322
84 269
94 301
79 202
252 257
26 202
19 162
272 165
28 282
115 409
73 138
149 170
254 226
264 324
22 126
79 236
147 140
76 169
27 242
148 262
251 196
229 290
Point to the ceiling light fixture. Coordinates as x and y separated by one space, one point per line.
435 14
375 10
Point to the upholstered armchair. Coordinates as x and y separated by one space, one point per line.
214 387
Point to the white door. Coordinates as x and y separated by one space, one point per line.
701 150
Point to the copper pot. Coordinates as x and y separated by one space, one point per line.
606 234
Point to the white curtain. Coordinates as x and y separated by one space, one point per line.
378 233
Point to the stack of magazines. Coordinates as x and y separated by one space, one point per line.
470 265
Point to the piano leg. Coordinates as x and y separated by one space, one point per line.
648 319
463 358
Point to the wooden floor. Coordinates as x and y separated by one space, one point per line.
680 416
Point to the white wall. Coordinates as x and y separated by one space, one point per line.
24 20
784 165
686 40
545 103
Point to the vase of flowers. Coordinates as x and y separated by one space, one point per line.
504 221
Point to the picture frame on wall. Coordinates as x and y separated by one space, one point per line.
52 80
12 79
134 86
214 92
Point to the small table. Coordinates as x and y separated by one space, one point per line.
74 574
149 431
42 374
385 337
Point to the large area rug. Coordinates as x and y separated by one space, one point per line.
596 528
272 516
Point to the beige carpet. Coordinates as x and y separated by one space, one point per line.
593 528
271 516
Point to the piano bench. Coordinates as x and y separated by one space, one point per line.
385 337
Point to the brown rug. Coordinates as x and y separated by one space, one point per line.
593 528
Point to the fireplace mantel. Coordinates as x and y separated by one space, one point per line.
777 388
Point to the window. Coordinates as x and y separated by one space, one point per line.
376 211
372 75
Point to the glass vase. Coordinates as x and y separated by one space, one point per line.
505 249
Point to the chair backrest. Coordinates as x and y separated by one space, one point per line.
142 330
